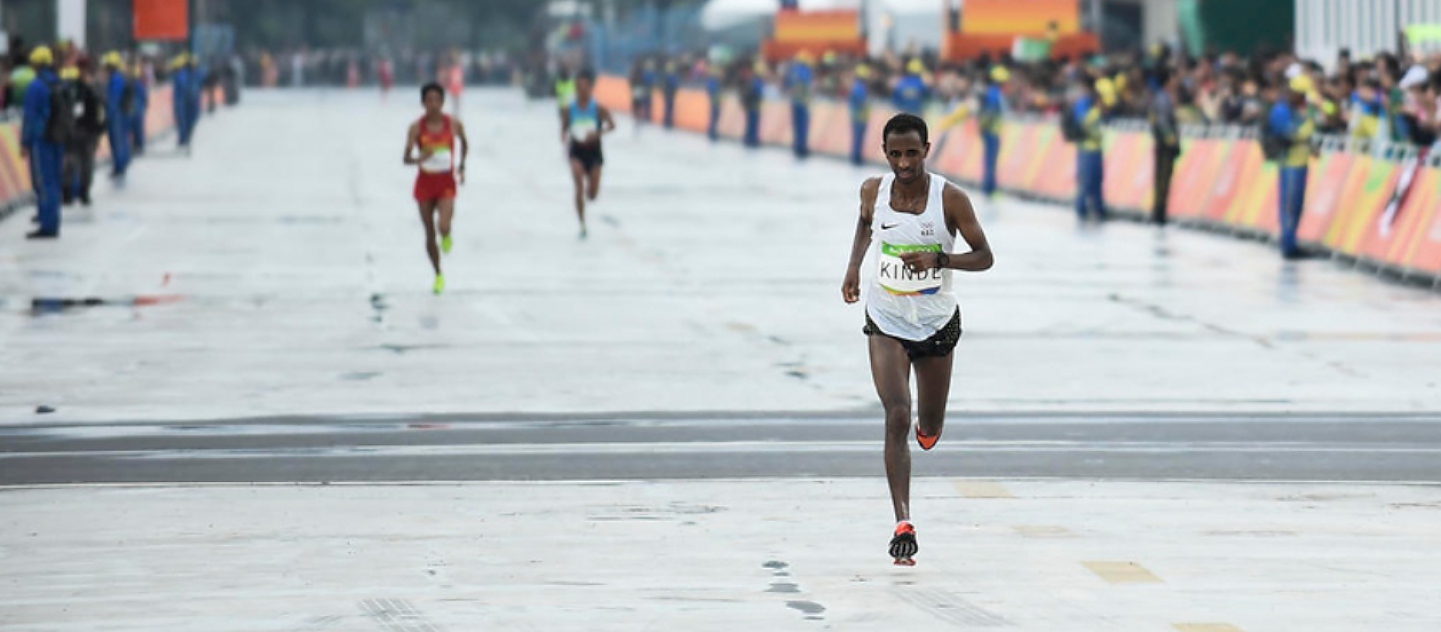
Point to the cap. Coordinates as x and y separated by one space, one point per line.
42 56
863 71
112 59
916 66
1302 84
70 73
1000 74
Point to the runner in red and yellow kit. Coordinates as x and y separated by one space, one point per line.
431 145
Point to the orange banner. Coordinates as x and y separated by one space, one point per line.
162 20
1012 17
1420 249
818 26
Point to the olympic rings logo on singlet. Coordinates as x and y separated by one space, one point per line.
896 278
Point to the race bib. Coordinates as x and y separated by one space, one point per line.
581 129
897 279
438 162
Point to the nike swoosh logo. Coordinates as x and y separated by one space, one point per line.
885 227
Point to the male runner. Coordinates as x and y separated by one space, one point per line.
433 137
582 124
912 318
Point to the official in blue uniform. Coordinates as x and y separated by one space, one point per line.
798 85
1090 165
713 92
911 90
141 106
1289 119
180 85
118 96
859 103
993 105
45 154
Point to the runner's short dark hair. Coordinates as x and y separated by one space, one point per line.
425 89
587 74
903 123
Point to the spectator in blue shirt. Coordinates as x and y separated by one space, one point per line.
860 107
798 85
119 106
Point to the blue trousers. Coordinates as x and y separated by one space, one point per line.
1090 175
1293 199
711 130
46 166
137 132
753 128
992 142
119 145
669 110
182 126
858 138
801 128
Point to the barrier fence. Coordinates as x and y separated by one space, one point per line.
1380 209
15 189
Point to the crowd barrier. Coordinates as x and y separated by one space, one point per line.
1381 209
15 189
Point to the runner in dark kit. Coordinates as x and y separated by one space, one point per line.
582 124
912 318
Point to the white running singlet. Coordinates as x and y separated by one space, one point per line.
904 304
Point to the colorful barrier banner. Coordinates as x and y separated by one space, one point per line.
1219 180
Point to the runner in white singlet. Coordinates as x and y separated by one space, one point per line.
912 317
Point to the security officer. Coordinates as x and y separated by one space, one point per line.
859 103
119 106
798 84
988 118
911 90
142 105
79 166
1090 165
1290 121
180 80
39 145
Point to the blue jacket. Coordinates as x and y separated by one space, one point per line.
114 92
180 84
37 107
798 82
142 95
993 104
860 101
910 94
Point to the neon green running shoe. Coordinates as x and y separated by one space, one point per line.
439 283
446 243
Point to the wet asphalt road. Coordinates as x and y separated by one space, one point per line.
1380 447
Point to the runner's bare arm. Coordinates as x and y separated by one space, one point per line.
851 286
961 217
464 149
607 123
412 140
564 125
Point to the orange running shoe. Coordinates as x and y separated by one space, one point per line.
924 440
903 544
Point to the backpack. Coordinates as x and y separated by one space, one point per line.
1071 128
1273 145
61 128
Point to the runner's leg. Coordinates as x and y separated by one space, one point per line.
933 387
593 183
891 371
427 217
577 175
446 211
